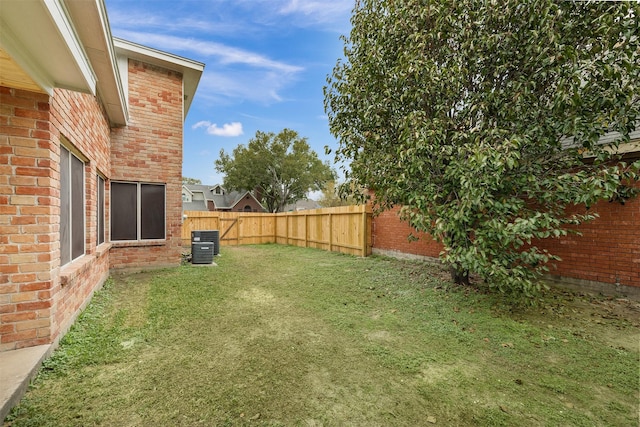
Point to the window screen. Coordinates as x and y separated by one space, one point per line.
77 207
100 211
65 207
124 211
152 211
137 211
71 207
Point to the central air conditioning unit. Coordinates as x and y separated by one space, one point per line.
202 253
199 236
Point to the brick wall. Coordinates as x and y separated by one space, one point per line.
79 121
38 299
607 253
149 150
247 201
389 234
28 237
608 250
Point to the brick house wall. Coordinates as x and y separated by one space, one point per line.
39 298
149 150
79 122
27 233
247 201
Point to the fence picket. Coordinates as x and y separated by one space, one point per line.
344 229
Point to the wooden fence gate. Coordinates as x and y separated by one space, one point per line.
229 231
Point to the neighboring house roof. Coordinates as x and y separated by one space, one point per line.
197 205
74 49
302 205
632 146
240 196
225 200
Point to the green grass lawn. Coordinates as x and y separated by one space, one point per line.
283 336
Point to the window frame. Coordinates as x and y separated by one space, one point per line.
70 216
138 210
100 209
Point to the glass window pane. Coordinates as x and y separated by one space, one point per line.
152 211
77 207
65 207
100 210
124 211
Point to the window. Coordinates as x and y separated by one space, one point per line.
247 208
137 211
100 211
71 206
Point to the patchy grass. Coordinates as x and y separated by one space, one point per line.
277 336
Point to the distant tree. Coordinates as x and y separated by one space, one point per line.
477 116
334 194
187 180
282 168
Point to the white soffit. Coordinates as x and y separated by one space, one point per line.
40 37
12 75
92 26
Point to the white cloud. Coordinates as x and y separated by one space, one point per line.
227 129
224 88
224 54
321 10
232 73
143 18
326 14
231 17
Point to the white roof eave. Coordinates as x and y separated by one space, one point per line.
53 56
92 25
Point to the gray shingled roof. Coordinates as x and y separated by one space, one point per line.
221 201
302 205
198 205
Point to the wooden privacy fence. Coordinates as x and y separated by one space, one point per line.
344 229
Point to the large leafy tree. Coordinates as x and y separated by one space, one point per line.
483 120
282 168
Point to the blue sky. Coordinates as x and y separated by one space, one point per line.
266 64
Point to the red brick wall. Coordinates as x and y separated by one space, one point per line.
38 299
149 150
28 237
247 200
79 120
391 234
607 252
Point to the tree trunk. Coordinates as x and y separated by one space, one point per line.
459 276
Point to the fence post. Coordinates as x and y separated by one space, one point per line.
330 232
364 232
275 229
306 230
